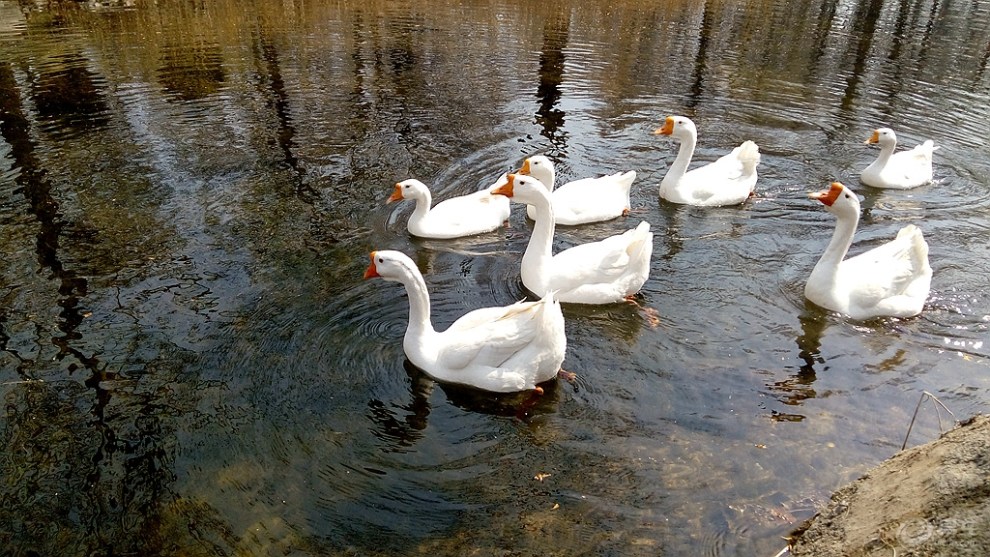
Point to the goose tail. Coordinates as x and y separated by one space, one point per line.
627 180
642 239
749 156
919 247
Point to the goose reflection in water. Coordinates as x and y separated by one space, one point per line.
799 387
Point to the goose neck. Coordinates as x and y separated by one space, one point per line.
684 153
539 251
886 151
838 246
423 204
419 305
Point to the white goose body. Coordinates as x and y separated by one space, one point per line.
730 180
890 280
466 215
601 272
499 349
901 170
582 201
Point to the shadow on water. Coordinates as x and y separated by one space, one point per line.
402 426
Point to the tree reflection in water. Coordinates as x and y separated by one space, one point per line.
549 116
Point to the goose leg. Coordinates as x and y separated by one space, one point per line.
651 315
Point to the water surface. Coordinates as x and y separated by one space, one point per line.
191 364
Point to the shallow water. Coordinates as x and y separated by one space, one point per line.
191 363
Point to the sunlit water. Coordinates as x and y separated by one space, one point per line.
191 363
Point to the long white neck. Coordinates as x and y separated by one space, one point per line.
536 261
423 204
886 151
548 176
838 246
679 167
420 325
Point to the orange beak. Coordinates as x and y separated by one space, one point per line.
525 168
372 271
667 128
829 196
396 194
875 138
506 188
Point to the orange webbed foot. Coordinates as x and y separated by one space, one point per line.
651 315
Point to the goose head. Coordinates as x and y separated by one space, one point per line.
883 136
680 127
539 167
524 189
409 189
390 265
838 200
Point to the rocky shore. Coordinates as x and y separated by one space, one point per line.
933 499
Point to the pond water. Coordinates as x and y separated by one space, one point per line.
191 363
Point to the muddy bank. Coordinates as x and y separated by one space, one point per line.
933 499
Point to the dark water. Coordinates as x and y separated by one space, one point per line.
191 363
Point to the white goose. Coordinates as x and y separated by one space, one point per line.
581 201
466 215
603 272
729 180
889 280
500 349
903 170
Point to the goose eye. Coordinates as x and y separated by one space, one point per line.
381 260
847 196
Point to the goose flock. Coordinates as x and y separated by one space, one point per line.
517 347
